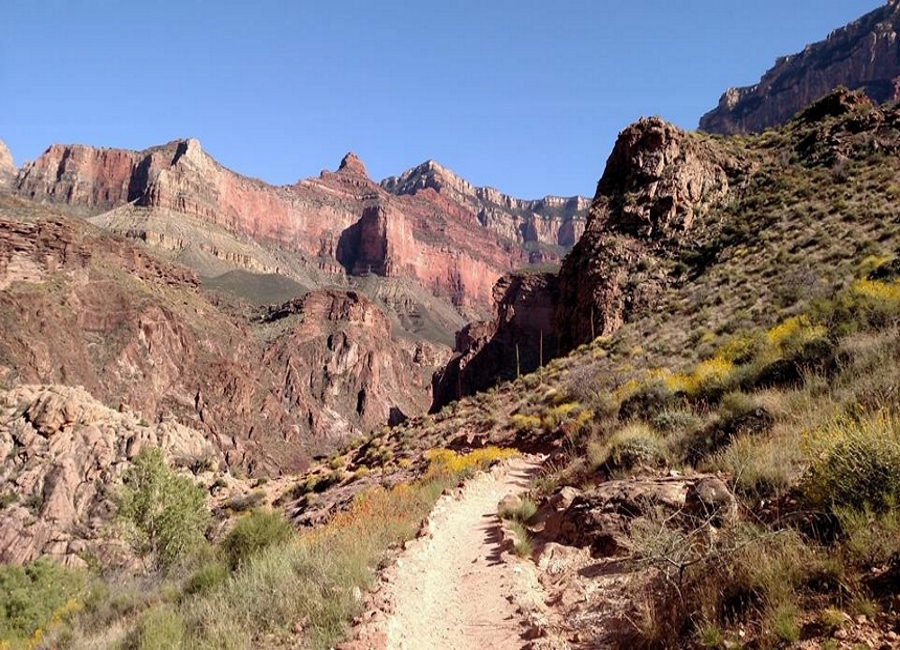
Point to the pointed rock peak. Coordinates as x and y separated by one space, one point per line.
5 155
351 164
6 160
188 149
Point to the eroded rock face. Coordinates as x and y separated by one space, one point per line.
338 367
863 55
659 184
82 308
520 337
7 167
552 220
62 455
341 222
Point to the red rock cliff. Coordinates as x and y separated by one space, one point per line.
79 307
425 236
863 55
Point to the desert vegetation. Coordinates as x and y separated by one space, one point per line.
261 584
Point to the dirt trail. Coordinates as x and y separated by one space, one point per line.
453 588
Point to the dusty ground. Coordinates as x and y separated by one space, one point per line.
457 586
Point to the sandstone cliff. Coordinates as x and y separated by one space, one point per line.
520 337
863 55
551 221
340 223
79 307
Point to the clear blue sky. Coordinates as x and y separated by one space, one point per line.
524 95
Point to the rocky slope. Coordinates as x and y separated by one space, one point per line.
62 454
134 330
862 55
666 217
316 230
659 186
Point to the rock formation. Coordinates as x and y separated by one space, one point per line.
862 55
82 308
659 184
551 221
7 167
517 340
341 222
658 187
338 368
61 455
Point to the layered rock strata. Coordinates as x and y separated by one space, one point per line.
863 55
454 243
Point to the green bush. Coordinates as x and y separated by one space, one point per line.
167 511
856 464
32 596
207 577
252 534
631 446
161 628
675 420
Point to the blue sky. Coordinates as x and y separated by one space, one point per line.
524 95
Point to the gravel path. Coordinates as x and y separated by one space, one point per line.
453 588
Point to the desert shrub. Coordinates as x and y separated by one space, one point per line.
869 538
761 466
207 577
631 446
521 509
707 381
855 464
671 420
253 533
245 502
166 511
446 463
794 334
558 414
581 384
522 544
744 571
161 628
526 423
35 597
648 399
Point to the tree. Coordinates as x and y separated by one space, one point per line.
167 511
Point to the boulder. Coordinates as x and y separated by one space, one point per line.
709 500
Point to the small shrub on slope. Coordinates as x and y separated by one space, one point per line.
166 511
252 534
855 464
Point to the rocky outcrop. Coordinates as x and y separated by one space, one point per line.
518 340
659 185
7 167
863 55
341 222
338 368
81 308
62 454
604 517
552 220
